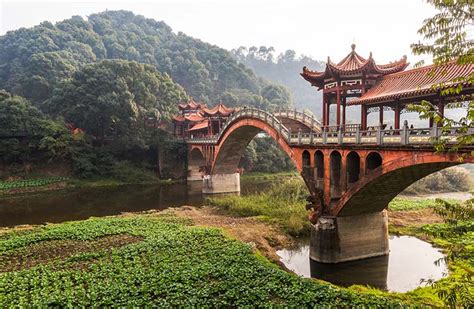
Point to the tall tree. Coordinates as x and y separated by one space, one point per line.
113 99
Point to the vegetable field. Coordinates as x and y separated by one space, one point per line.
28 183
151 260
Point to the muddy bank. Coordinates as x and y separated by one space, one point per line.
265 237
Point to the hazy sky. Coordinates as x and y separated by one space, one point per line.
313 27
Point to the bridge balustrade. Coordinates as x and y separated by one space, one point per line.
349 134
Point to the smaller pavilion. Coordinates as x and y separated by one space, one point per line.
197 120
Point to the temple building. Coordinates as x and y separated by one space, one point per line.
356 80
197 120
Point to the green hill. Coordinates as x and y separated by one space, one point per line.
33 61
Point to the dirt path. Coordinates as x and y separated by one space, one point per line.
266 238
413 217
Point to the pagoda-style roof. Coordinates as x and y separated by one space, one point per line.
219 109
191 118
191 104
416 83
352 65
200 126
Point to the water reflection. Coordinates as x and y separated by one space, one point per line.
77 204
410 261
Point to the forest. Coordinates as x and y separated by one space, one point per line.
99 92
284 69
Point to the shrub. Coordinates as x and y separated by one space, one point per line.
283 203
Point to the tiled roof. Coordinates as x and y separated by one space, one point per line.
218 109
352 64
191 105
200 126
178 118
414 83
192 118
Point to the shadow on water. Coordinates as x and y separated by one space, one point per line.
410 260
78 204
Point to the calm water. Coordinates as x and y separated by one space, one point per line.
410 261
66 205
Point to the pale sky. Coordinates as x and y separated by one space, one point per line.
312 27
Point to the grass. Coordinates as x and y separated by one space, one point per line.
173 265
283 204
405 204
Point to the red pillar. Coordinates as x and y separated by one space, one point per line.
397 117
323 112
441 108
344 113
343 173
381 114
338 106
363 117
328 102
327 179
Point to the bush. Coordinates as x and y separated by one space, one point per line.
126 172
283 203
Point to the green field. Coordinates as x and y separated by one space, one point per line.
149 260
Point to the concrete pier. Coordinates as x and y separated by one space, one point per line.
194 175
342 239
221 183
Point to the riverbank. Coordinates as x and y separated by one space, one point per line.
264 222
21 186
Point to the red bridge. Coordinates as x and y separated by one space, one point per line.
352 170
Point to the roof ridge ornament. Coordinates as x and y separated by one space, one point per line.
353 46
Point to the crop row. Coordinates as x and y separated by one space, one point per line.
6 185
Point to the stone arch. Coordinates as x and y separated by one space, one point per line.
196 165
374 191
335 164
353 168
306 162
372 161
237 136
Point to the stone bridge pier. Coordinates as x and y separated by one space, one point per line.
221 183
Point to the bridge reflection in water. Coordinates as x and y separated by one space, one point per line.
410 260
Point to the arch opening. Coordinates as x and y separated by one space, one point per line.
335 175
353 168
372 161
306 160
319 169
235 140
196 165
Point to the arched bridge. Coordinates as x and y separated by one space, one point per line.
351 174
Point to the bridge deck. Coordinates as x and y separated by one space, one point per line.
320 136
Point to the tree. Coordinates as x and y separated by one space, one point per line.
113 99
446 38
27 134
